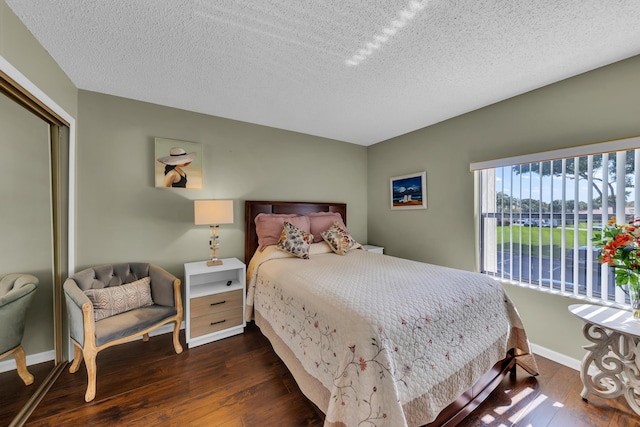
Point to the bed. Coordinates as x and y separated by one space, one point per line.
375 340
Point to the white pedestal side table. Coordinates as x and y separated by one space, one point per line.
614 355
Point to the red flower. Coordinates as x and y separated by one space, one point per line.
607 258
622 239
363 364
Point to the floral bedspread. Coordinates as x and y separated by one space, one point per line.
394 341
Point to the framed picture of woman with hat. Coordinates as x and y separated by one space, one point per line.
178 164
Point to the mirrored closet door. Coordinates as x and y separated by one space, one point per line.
33 240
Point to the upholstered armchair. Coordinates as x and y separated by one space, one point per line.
112 304
16 292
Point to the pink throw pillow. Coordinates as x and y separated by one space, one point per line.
322 221
269 227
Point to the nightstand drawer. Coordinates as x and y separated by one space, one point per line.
217 302
216 321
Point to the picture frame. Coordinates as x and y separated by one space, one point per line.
409 191
178 164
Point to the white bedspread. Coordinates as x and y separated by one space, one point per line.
394 341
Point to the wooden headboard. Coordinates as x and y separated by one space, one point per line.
253 208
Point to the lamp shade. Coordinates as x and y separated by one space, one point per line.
213 212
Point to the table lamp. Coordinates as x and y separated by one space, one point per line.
213 213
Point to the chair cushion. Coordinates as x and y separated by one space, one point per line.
118 299
131 323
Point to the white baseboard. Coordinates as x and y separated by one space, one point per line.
32 359
556 357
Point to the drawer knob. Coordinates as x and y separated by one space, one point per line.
220 321
216 303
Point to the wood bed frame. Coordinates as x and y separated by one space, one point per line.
457 410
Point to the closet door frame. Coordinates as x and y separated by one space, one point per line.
20 89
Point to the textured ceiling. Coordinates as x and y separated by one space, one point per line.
360 71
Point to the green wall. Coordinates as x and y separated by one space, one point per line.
121 216
592 107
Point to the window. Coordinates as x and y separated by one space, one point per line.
539 216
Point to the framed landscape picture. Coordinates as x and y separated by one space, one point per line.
409 191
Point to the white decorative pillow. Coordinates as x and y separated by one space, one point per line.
118 299
295 241
338 239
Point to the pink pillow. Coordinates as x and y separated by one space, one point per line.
269 227
322 221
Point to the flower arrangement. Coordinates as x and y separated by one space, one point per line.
621 249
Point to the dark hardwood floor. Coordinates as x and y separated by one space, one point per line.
14 394
239 381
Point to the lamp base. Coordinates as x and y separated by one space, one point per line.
211 263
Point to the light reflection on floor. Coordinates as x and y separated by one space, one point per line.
518 407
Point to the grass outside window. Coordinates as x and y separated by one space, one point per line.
525 240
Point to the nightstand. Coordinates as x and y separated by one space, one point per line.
372 248
215 299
